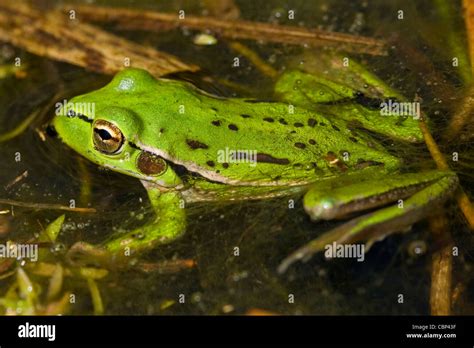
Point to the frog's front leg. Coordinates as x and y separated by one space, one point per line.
422 190
168 224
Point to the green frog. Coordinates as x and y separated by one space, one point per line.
317 137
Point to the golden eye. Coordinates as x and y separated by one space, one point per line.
107 137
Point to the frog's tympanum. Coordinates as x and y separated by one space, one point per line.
318 137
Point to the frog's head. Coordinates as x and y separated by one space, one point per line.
101 127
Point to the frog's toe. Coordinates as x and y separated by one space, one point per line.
299 254
321 209
308 250
85 254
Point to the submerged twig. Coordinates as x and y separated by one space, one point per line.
55 283
254 58
441 268
463 200
226 9
45 206
96 298
60 36
462 116
454 42
16 180
468 7
20 128
442 263
167 267
234 29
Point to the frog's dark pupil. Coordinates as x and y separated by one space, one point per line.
104 134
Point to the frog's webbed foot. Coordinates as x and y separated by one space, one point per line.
169 224
85 254
425 190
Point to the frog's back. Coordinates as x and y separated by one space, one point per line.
239 141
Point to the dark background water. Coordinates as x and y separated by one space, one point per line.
265 232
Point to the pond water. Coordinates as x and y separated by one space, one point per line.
226 263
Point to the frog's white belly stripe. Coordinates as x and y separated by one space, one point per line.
212 175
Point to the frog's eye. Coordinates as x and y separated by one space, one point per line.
107 137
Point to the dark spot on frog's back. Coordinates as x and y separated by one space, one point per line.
194 144
300 145
210 163
233 127
298 124
312 122
216 123
361 163
245 116
266 158
269 119
353 139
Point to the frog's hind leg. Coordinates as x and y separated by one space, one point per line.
424 190
303 89
358 110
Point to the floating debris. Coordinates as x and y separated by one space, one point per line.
203 39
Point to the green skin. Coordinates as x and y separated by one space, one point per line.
313 140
